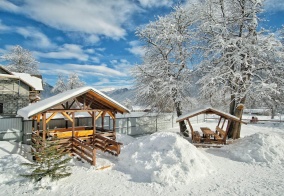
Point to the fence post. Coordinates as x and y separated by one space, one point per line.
172 120
156 123
127 125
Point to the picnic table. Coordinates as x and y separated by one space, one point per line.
207 133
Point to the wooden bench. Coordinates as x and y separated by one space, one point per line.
220 135
195 135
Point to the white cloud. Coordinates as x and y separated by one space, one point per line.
67 51
156 3
8 6
102 70
274 5
136 48
94 18
39 39
122 65
3 27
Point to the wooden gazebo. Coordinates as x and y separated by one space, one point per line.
219 135
81 140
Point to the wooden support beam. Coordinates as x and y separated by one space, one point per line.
52 115
219 120
191 128
71 104
94 124
43 126
114 132
89 105
63 106
73 124
38 118
67 116
78 103
94 156
223 123
98 116
103 119
111 114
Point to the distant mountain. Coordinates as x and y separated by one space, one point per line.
46 91
120 95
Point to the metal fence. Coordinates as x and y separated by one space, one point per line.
135 124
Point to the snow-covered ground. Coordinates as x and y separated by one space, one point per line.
164 164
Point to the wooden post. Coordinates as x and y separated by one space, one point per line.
223 123
94 124
114 131
191 128
94 157
37 124
43 126
73 124
103 119
219 121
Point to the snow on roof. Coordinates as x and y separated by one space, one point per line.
137 107
32 81
50 102
205 110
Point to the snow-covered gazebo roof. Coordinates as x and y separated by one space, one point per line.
208 110
88 96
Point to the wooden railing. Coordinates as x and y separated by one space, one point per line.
107 145
84 150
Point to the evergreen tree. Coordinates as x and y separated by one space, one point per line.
50 161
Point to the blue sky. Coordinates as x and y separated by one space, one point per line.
93 38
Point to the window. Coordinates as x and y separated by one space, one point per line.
1 108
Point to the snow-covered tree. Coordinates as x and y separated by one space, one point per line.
238 59
21 60
164 74
63 84
127 103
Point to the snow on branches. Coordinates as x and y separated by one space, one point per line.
21 60
64 84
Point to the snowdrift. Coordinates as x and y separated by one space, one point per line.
163 157
125 139
259 147
11 168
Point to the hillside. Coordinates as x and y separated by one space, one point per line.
120 95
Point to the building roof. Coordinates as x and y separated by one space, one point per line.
208 110
30 80
97 100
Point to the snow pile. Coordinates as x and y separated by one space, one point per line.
259 147
163 157
125 139
11 168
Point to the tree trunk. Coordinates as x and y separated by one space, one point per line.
273 112
232 111
236 129
182 125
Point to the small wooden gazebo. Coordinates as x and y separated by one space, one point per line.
81 140
219 135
